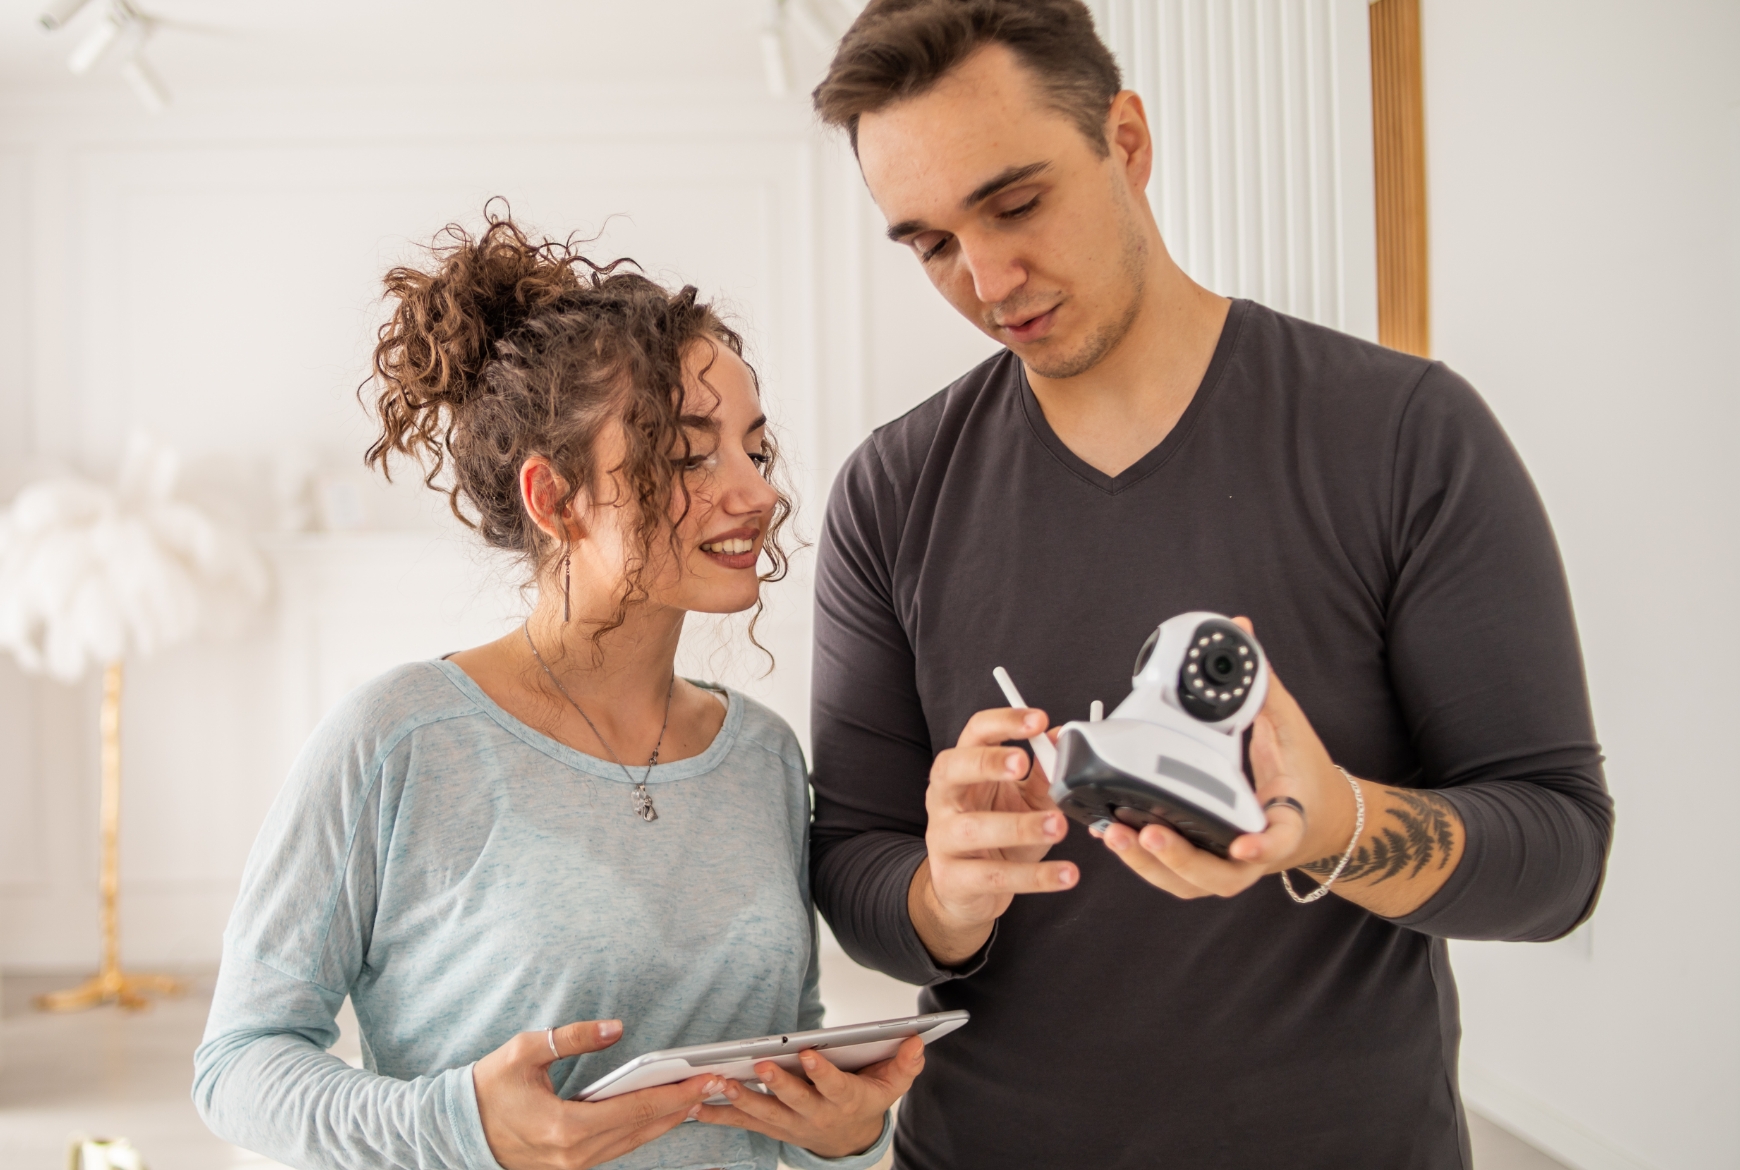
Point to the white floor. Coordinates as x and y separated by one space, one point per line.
107 1073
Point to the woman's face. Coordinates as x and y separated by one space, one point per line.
731 502
710 565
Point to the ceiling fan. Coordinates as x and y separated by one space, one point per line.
122 31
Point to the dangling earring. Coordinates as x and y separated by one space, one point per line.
565 556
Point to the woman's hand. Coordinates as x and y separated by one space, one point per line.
832 1114
528 1127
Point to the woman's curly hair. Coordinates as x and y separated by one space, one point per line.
507 348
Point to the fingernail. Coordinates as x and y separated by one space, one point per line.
808 1058
1030 723
1066 877
717 1086
1016 759
1053 824
1117 842
609 1029
695 1112
730 1090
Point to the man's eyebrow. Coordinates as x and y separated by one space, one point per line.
982 192
1007 179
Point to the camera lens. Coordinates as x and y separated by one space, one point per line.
1221 666
1219 669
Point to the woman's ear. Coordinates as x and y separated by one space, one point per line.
541 491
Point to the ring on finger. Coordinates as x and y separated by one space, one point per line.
1285 802
550 1035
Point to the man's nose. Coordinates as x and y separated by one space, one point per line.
996 270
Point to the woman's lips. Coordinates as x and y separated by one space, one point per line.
728 551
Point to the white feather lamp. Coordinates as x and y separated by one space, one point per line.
91 576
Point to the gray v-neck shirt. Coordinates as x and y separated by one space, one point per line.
463 877
1364 508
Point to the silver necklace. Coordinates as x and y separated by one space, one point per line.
643 801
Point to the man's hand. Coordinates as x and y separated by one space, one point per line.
1412 840
992 820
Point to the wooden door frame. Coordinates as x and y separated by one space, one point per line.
1398 115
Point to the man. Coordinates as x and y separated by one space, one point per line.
1142 448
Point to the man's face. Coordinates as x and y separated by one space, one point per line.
1026 230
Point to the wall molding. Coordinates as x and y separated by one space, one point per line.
1541 1125
1261 113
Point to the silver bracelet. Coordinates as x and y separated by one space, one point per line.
1358 828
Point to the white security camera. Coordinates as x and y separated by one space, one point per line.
1172 752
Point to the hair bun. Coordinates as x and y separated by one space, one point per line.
443 330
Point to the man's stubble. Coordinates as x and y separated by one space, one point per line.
1133 256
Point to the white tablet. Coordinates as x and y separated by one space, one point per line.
851 1048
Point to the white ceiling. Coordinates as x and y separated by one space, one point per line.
225 44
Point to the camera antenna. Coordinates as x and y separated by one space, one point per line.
1043 749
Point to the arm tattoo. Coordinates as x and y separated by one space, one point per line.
1425 832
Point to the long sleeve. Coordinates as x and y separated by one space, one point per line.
262 1077
264 1081
865 706
1485 661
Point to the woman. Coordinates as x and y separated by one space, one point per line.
551 827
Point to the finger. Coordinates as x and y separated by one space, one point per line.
644 1106
965 875
1037 786
1267 765
958 767
1199 867
1281 840
1122 840
573 1039
796 1092
829 1081
739 1119
972 831
896 1074
764 1107
1001 724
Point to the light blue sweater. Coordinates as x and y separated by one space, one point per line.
462 878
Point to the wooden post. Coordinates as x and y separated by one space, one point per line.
1398 113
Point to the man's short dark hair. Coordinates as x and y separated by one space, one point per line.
900 48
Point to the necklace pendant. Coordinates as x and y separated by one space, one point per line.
643 804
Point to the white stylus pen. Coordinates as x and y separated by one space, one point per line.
1043 749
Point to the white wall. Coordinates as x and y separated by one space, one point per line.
1582 159
213 277
213 273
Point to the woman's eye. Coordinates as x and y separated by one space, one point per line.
705 462
761 459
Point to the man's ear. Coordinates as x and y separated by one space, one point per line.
541 491
1131 142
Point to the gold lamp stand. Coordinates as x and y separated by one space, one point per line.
110 984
